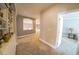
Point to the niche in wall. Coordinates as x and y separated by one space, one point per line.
25 25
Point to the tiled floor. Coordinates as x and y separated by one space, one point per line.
30 45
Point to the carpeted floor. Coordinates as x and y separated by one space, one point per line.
30 45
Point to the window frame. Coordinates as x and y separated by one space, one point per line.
29 19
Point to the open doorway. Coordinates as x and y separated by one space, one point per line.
68 32
38 25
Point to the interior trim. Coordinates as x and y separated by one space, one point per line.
47 44
25 35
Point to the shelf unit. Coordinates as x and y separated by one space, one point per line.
7 17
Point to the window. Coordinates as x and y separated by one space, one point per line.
27 24
37 25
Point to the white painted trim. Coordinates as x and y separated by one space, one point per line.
25 35
47 44
59 30
53 47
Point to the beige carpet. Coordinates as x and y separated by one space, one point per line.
30 45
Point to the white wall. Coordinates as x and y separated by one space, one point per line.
48 21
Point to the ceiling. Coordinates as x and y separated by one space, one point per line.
31 9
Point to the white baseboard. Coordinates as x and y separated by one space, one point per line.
47 43
25 35
53 47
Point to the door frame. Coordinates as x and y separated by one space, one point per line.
59 30
60 25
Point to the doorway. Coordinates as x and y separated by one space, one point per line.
68 32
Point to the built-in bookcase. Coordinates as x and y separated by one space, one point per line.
7 17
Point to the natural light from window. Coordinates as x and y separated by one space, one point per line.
37 25
27 24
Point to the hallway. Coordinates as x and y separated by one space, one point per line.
20 24
30 45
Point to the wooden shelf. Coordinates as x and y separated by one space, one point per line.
2 28
1 18
2 5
